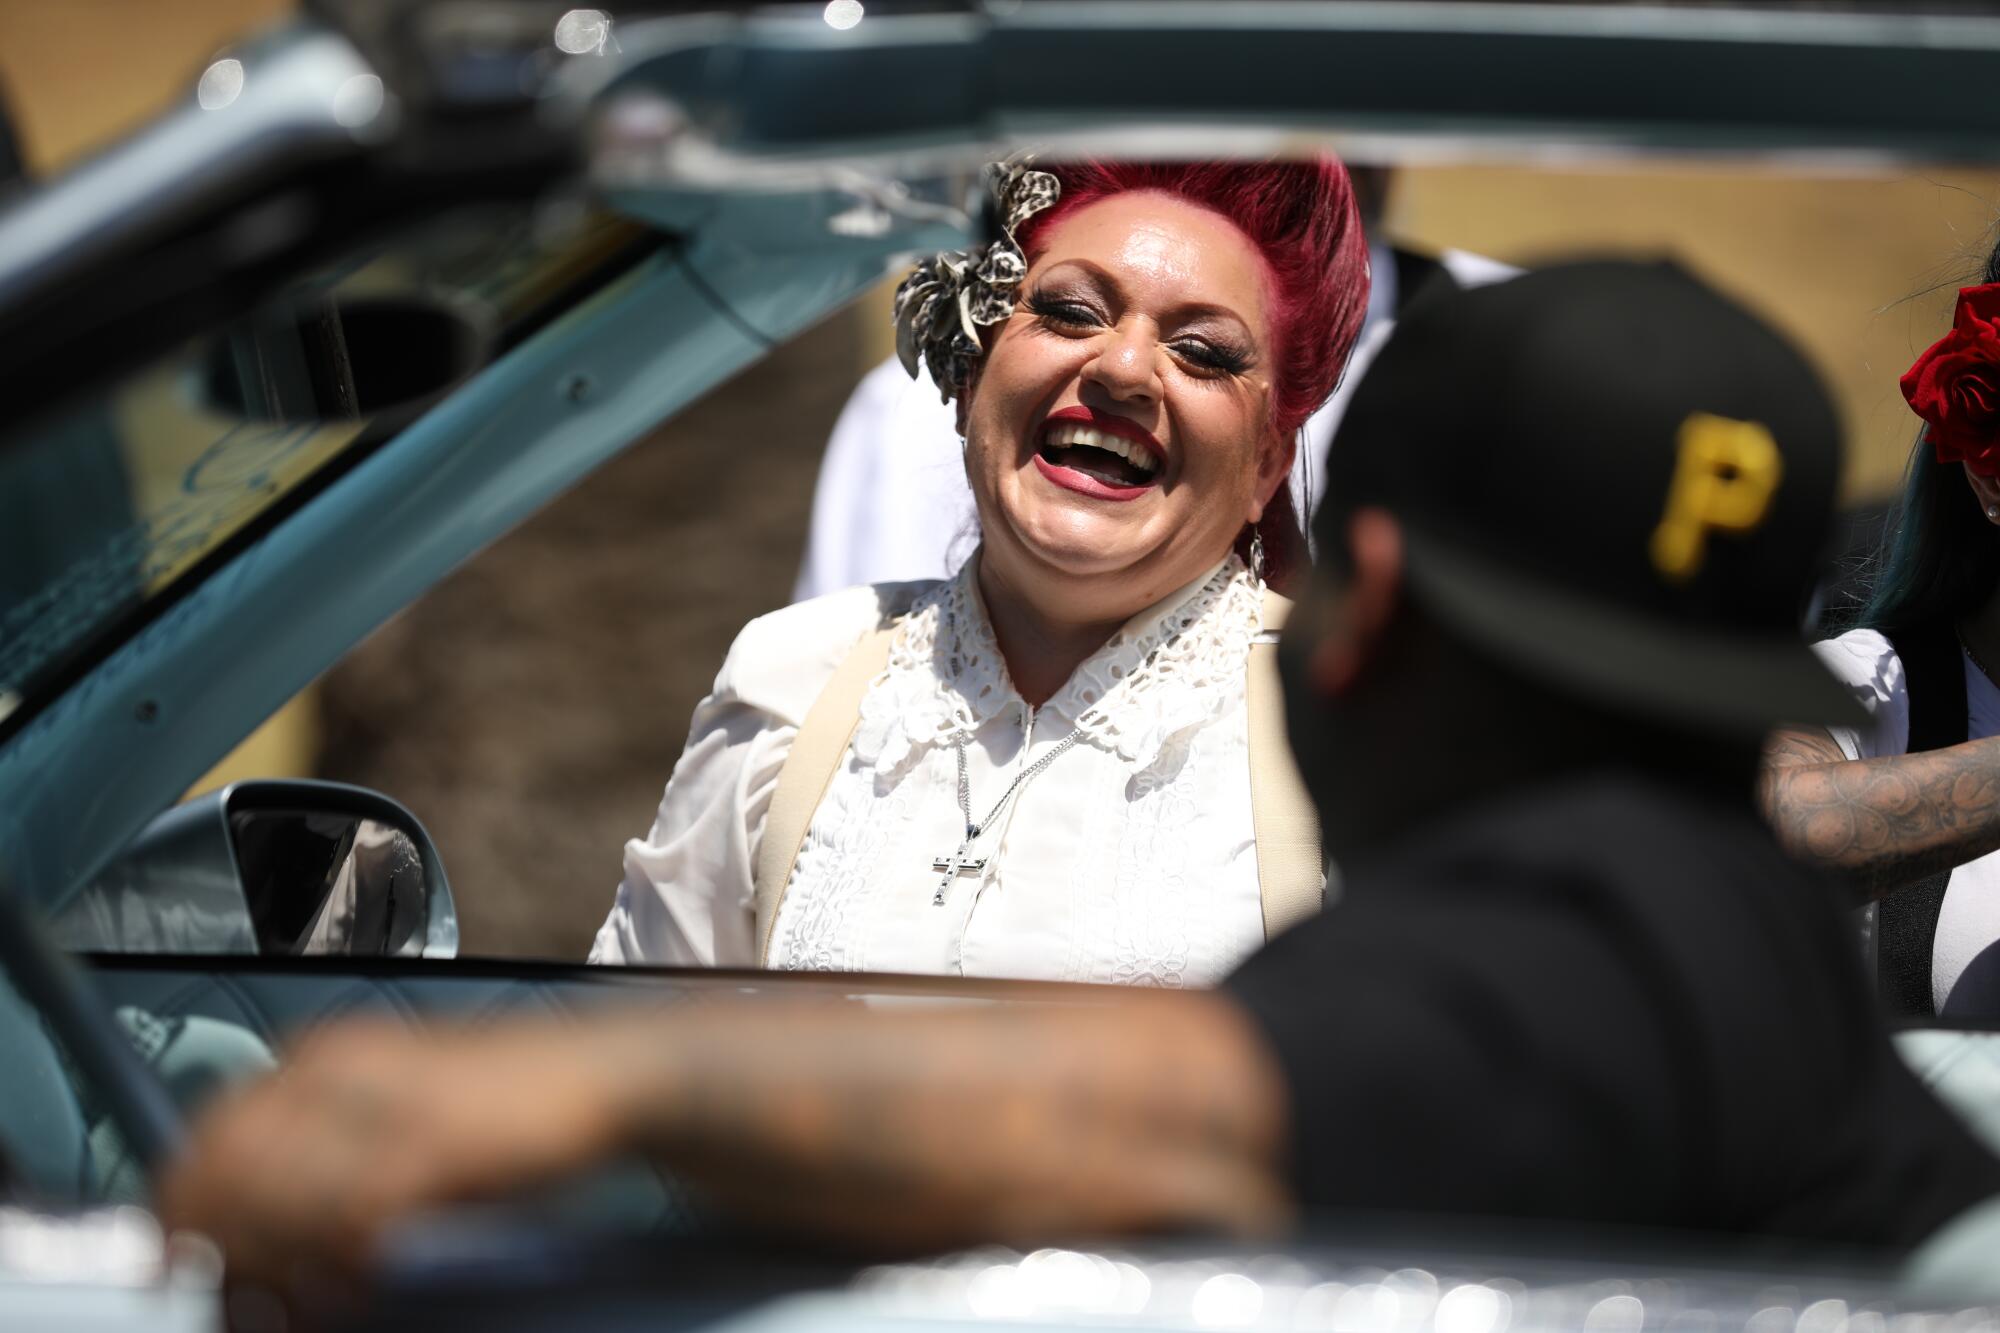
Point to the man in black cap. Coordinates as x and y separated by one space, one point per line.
1571 524
1570 976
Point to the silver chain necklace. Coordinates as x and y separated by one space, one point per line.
962 862
959 863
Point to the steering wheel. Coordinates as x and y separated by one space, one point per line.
130 1092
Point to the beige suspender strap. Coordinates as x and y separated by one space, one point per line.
815 757
1290 866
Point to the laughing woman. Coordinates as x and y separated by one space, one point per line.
1062 763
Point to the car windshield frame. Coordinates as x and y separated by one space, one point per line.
249 473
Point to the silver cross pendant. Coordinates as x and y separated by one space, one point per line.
956 864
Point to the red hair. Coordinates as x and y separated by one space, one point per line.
1302 218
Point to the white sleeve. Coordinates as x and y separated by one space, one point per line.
687 898
1863 661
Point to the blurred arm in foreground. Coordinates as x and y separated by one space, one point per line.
895 1129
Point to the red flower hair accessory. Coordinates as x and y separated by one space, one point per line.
1955 386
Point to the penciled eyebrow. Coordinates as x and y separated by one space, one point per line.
1182 313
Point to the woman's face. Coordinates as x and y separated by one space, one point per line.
1118 431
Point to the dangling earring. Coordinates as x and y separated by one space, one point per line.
1257 553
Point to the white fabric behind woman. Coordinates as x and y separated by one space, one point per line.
1130 859
1863 659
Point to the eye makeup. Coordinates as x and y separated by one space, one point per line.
1211 355
1070 307
1064 310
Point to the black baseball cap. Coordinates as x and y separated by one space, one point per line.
1611 477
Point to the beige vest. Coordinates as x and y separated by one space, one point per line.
1290 869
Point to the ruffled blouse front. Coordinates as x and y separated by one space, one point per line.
1129 859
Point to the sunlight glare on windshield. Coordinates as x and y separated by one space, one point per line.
221 84
583 32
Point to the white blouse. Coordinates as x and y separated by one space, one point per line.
1131 858
1873 673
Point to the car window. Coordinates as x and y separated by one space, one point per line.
108 508
531 708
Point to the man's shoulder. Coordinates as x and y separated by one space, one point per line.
1614 915
1618 825
1645 867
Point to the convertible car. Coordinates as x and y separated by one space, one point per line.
396 275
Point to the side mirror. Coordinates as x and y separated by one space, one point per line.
270 867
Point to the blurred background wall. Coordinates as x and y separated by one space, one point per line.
531 707
1862 270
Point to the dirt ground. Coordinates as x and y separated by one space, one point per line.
530 708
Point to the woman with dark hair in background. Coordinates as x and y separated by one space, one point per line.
1067 762
1909 808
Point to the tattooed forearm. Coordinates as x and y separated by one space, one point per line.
1885 823
954 1127
887 1129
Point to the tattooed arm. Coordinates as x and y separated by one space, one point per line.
900 1129
1885 823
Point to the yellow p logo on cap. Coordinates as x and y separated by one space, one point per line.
1727 474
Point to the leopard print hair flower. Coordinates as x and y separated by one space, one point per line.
949 297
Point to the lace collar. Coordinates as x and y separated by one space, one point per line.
1177 665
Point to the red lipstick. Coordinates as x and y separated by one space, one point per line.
1111 424
1105 423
